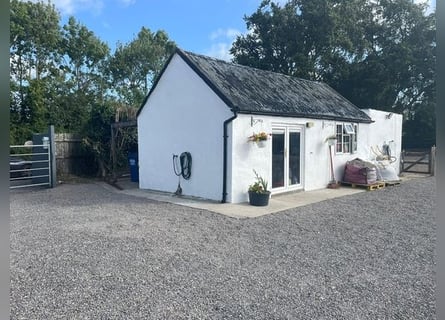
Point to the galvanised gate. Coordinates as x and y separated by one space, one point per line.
33 164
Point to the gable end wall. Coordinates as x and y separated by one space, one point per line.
182 114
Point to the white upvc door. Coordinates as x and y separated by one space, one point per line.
287 157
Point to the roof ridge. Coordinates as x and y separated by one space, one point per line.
251 90
247 67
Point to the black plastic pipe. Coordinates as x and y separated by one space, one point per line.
225 136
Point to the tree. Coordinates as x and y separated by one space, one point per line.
34 39
398 73
65 76
82 71
378 54
134 66
85 53
300 38
97 137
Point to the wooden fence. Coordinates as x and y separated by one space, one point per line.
70 158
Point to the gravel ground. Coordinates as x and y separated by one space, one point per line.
81 251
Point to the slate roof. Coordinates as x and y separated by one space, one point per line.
254 91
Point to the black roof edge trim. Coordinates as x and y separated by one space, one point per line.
212 86
315 116
155 83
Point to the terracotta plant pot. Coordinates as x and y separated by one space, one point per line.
259 199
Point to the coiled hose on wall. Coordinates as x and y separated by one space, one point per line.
185 165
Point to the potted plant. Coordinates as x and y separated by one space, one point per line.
260 138
258 193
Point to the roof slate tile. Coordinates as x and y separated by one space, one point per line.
250 90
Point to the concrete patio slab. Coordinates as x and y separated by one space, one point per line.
278 202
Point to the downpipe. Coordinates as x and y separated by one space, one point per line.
225 137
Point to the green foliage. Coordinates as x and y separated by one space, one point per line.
260 185
260 136
86 53
29 114
134 66
34 39
65 76
379 55
97 137
419 130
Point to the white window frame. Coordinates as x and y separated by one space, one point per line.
348 128
346 134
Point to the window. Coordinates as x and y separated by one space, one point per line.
346 134
348 128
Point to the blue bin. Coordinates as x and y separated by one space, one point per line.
134 166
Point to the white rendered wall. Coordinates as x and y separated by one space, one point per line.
386 128
182 114
382 130
247 156
316 172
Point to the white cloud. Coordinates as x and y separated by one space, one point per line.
69 7
220 51
229 33
431 5
222 40
65 6
127 3
281 2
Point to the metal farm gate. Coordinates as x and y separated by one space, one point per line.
34 164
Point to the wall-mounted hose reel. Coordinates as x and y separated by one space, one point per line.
182 166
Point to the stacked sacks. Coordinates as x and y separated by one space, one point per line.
360 172
385 171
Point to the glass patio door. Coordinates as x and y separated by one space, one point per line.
278 157
286 158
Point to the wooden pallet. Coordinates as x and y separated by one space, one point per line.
369 187
392 183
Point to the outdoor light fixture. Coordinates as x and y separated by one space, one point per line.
309 124
327 124
254 121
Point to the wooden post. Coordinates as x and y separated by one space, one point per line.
432 161
113 155
402 161
52 160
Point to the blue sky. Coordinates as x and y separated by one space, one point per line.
202 26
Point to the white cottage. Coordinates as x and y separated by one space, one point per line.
210 107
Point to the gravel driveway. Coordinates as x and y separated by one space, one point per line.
81 251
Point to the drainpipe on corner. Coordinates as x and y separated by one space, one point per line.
225 136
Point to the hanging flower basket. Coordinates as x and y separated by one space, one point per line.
259 138
261 143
